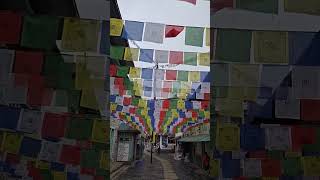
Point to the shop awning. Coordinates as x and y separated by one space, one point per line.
198 138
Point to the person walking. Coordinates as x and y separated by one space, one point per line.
206 162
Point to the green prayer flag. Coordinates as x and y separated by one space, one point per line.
40 32
116 52
173 104
79 128
176 87
128 84
65 81
292 167
190 58
233 45
61 98
183 75
194 36
135 101
276 154
90 158
74 100
46 174
122 71
52 64
266 6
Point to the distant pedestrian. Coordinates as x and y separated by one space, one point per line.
159 149
206 161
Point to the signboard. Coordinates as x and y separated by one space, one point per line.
123 152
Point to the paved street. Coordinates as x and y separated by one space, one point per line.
162 167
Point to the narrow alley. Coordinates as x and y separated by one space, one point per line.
163 166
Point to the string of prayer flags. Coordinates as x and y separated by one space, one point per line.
10 27
116 26
80 35
173 31
39 32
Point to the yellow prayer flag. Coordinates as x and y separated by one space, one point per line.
144 112
311 166
214 167
113 106
204 59
194 76
116 26
42 164
207 36
131 54
134 72
100 131
175 113
12 142
82 79
104 162
228 137
138 92
142 103
154 137
228 107
180 104
59 175
88 99
207 114
80 35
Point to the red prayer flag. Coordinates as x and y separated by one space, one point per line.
36 91
190 1
176 57
126 101
10 28
221 4
310 110
28 62
171 75
205 104
173 31
271 168
113 70
167 86
70 155
57 121
166 104
21 80
301 136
